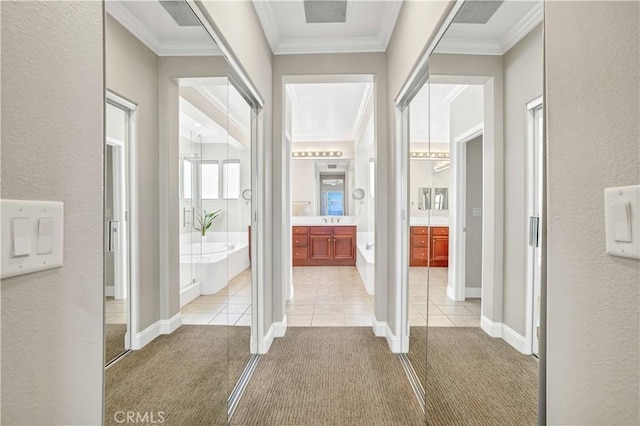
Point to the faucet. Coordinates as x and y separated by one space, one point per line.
338 220
369 246
331 219
325 219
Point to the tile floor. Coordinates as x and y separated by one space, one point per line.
442 311
116 311
328 296
229 306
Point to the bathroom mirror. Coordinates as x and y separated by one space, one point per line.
424 198
441 199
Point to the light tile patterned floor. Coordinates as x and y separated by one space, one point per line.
213 309
329 296
116 311
442 311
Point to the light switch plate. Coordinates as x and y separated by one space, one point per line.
46 238
622 221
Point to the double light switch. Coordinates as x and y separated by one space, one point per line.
32 236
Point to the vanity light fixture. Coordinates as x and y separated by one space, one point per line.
315 154
429 155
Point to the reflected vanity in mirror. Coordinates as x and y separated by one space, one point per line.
478 102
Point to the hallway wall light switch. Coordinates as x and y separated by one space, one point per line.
622 221
31 236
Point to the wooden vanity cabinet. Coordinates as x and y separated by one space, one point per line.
324 245
429 246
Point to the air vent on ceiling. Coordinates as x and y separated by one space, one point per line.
325 11
180 13
332 166
477 11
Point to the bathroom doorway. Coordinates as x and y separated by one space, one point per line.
119 125
329 129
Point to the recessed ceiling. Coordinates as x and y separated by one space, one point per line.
367 28
328 112
507 25
168 28
429 112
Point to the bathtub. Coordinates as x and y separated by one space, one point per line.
215 264
365 262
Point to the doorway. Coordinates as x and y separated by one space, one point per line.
535 176
329 130
117 230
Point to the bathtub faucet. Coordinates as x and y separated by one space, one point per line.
369 246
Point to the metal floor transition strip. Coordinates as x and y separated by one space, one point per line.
239 388
418 390
118 358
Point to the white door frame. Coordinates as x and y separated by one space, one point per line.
456 288
129 257
120 208
531 107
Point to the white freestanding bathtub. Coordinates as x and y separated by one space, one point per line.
365 262
215 263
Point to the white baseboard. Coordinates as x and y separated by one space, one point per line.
146 336
451 293
189 293
109 291
392 340
473 292
280 328
379 327
267 340
506 333
171 325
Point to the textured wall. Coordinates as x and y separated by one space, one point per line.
523 82
52 148
593 98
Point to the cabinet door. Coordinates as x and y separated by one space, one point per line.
320 246
439 250
343 247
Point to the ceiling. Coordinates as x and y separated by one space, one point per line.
368 27
512 20
215 110
152 24
429 112
328 111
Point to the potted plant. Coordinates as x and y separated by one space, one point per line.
206 221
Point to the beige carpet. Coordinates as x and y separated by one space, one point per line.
474 379
187 376
329 376
114 340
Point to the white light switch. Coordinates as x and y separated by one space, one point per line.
32 236
21 236
622 221
44 241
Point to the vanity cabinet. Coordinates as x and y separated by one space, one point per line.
429 246
324 245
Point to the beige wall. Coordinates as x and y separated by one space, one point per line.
132 72
344 63
473 224
523 82
592 99
52 149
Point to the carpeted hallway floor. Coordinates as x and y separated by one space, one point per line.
329 376
474 379
186 375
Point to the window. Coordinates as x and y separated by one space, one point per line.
231 179
209 180
332 190
187 179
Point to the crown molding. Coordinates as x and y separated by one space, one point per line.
268 21
523 27
329 45
462 46
388 24
161 48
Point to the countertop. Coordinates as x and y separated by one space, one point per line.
429 221
319 221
